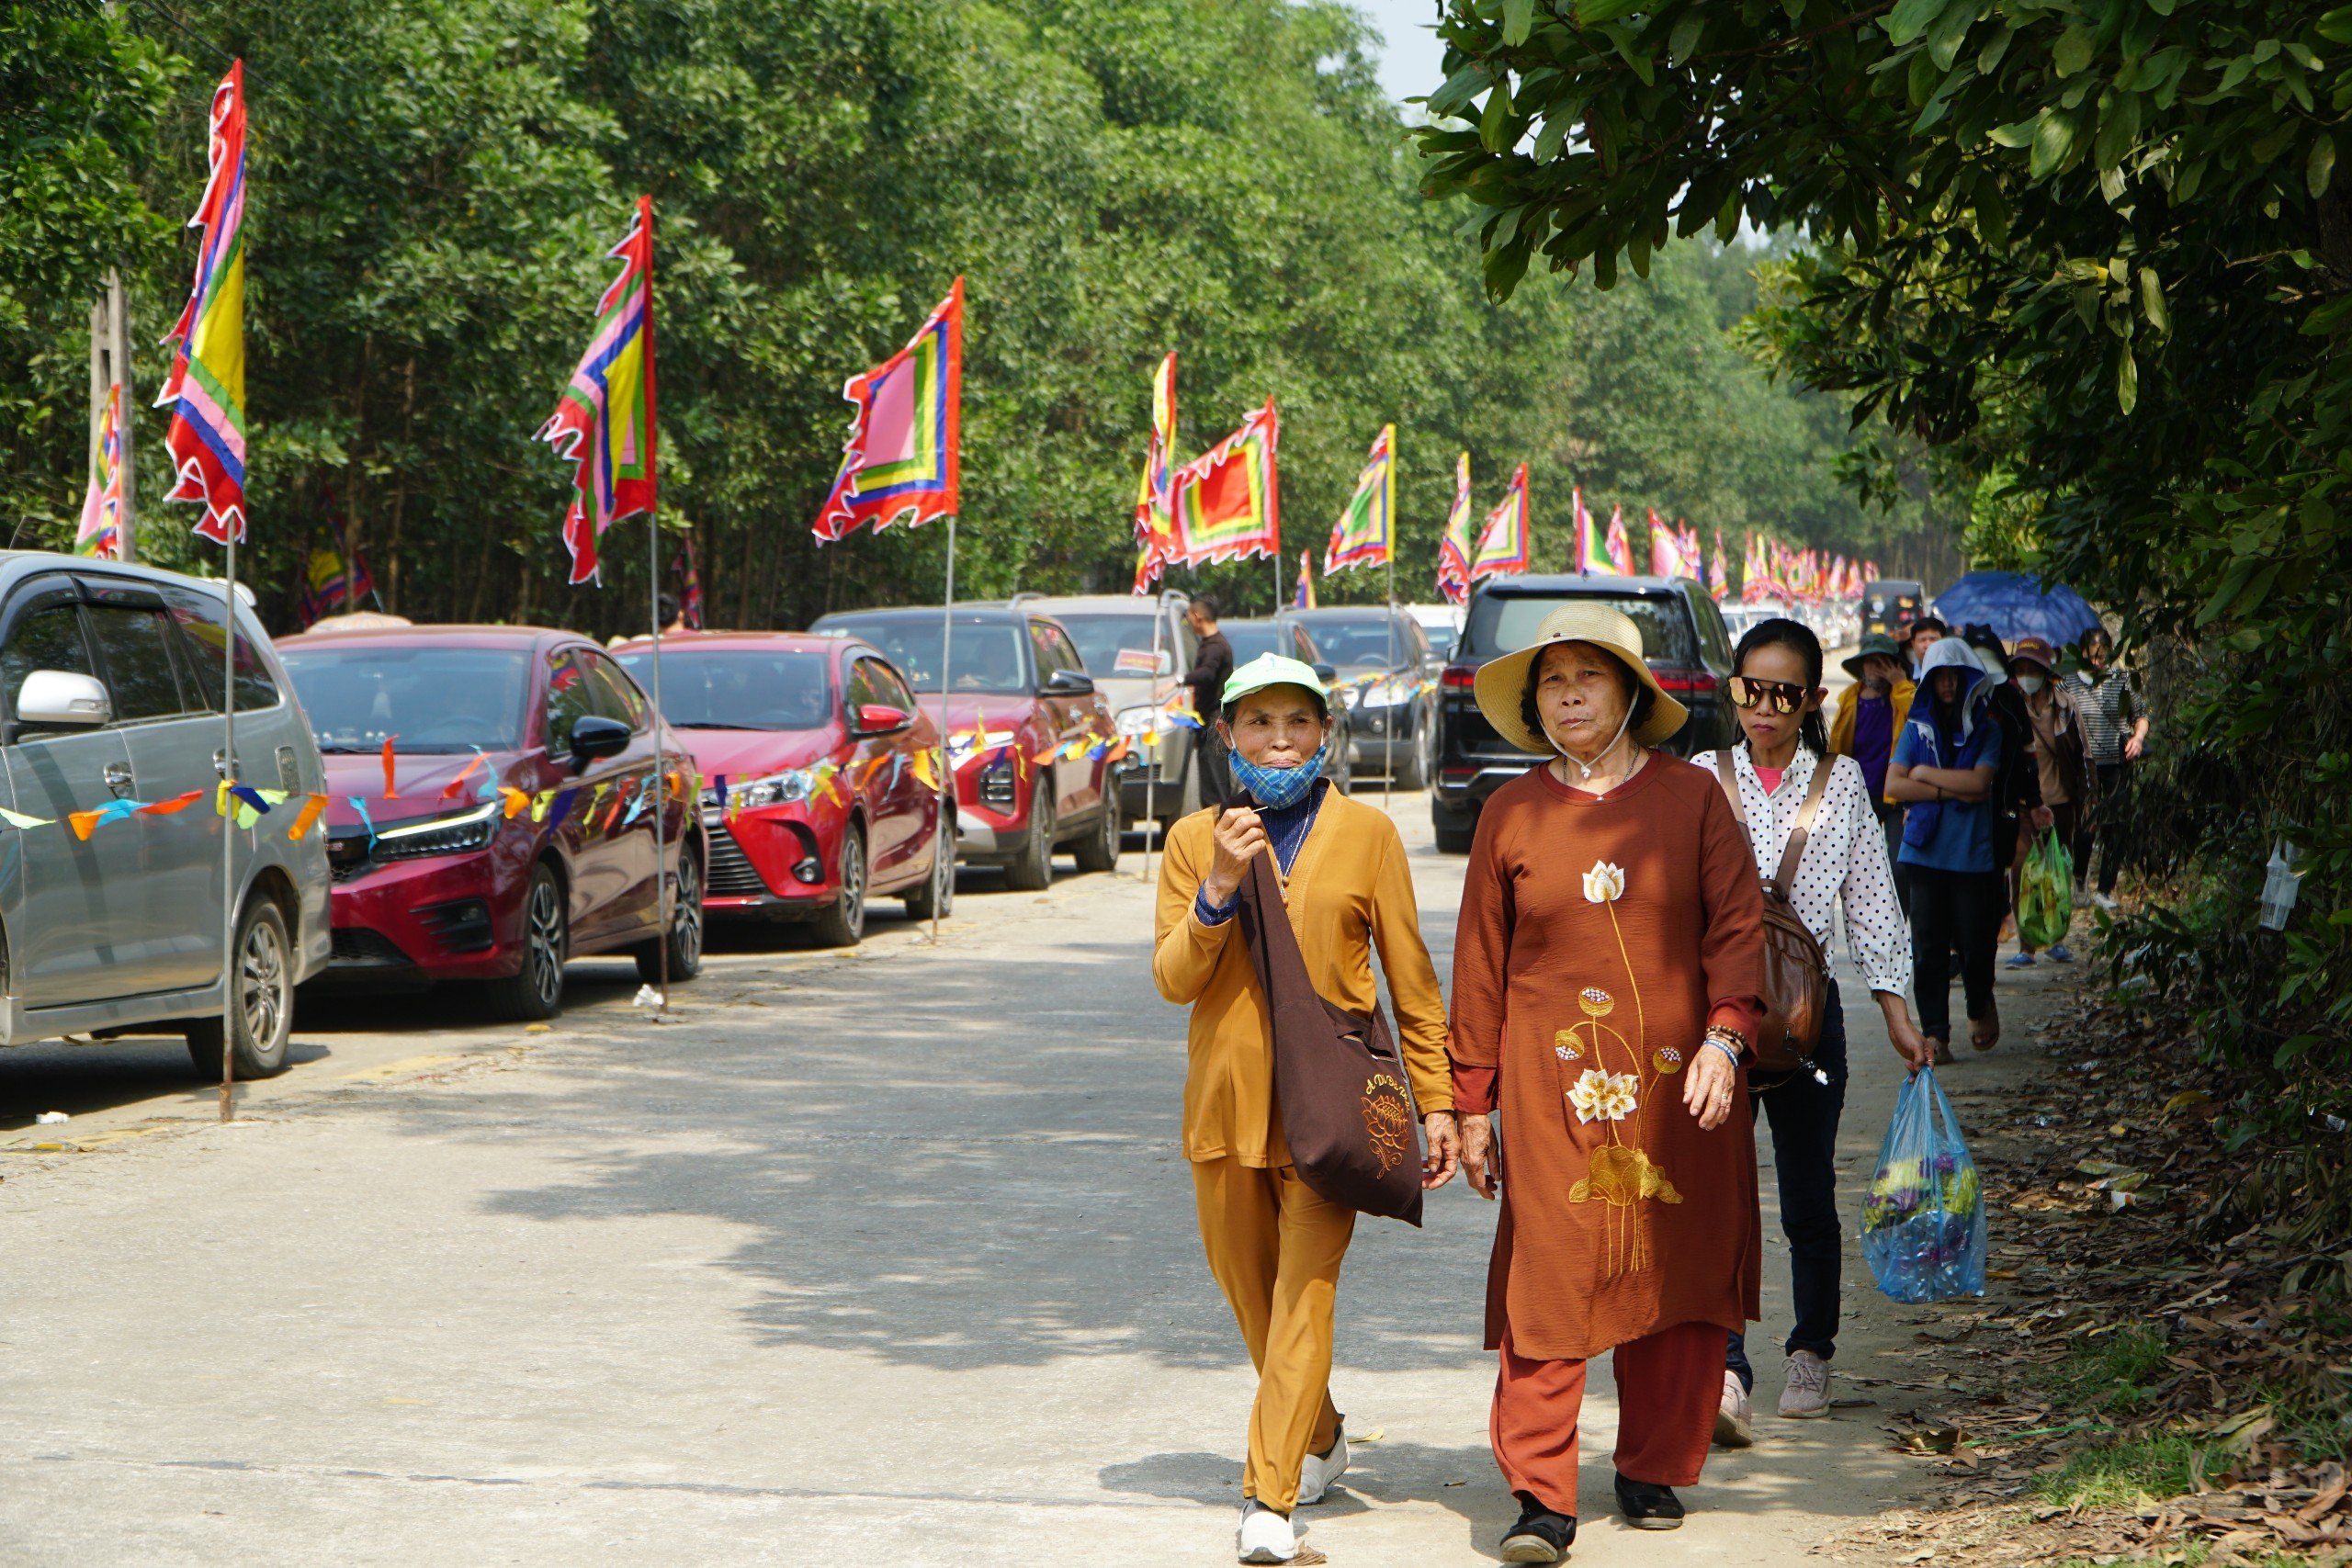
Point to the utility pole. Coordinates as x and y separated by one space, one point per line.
119 311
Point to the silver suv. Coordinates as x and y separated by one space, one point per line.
111 690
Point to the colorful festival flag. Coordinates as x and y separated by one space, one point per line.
100 532
1719 574
903 460
1621 548
1453 546
603 423
1228 500
334 581
1303 598
1361 536
1666 551
206 388
1505 548
1592 551
1154 501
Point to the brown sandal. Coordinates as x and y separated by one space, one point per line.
1986 1033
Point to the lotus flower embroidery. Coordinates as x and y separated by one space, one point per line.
1604 884
1600 1096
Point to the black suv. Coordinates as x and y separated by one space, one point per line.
1683 636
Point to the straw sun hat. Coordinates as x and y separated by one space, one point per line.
1503 681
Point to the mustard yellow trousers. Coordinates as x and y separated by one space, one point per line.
1275 1249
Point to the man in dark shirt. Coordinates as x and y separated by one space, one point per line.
1211 667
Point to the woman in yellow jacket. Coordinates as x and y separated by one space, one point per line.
1273 1244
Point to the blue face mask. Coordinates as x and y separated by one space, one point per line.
1275 788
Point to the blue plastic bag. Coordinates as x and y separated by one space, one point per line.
1923 1222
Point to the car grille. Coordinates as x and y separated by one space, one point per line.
732 874
359 947
348 856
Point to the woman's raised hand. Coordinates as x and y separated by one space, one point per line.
1708 1087
1445 1149
1238 835
1481 1162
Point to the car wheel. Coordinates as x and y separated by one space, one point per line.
536 990
264 1004
1454 828
1415 772
685 926
842 923
1033 871
936 897
1099 850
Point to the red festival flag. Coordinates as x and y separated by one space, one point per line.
1505 547
603 423
903 461
206 388
1453 546
1228 500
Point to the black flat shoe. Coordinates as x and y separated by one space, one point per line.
1541 1535
1648 1507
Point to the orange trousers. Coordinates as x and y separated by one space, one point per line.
1668 1385
1275 1248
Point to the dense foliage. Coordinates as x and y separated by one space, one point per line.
2096 253
433 183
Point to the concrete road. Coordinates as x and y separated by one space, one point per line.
888 1257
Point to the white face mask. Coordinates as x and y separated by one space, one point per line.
2029 684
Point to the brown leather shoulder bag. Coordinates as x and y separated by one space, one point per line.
1796 972
1339 1081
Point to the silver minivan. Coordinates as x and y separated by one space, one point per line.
111 690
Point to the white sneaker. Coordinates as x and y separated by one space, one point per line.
1315 1476
1807 1395
1734 1418
1265 1536
2106 902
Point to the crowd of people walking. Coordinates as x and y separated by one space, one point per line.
1623 1012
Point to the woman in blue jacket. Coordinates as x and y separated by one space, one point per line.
1942 774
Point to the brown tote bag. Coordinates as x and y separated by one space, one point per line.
1796 972
1339 1081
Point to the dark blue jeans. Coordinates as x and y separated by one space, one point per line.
1803 1112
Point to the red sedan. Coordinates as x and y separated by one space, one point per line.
820 788
494 810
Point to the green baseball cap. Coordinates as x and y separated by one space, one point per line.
1273 670
1877 642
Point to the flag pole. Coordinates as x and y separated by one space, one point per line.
1388 777
660 774
229 832
947 763
1151 779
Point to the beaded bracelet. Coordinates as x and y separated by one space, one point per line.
1727 1040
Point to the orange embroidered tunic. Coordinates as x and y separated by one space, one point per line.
1599 936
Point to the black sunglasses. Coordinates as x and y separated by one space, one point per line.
1748 691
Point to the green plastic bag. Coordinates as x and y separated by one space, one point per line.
2046 897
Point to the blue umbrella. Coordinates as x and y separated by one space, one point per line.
2016 604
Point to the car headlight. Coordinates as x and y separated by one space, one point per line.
1138 720
776 789
1389 691
466 831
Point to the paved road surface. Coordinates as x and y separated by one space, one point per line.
880 1258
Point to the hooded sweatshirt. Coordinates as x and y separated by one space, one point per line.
1950 835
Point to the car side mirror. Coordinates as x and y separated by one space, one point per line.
595 736
1068 683
1326 673
881 718
62 699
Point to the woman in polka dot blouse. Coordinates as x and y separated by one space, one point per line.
1777 692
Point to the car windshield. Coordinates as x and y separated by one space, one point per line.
1500 623
744 688
986 654
1360 642
1250 638
424 699
1117 645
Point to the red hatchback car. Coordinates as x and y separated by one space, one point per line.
1030 738
518 827
818 784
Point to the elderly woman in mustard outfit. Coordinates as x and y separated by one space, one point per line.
1274 1246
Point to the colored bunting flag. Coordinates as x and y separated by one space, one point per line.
1621 548
1593 552
903 459
309 816
1361 536
1228 500
100 532
206 388
1453 546
1154 501
1505 548
603 424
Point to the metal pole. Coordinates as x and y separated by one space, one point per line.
1388 777
947 763
1151 779
660 776
229 835
127 519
